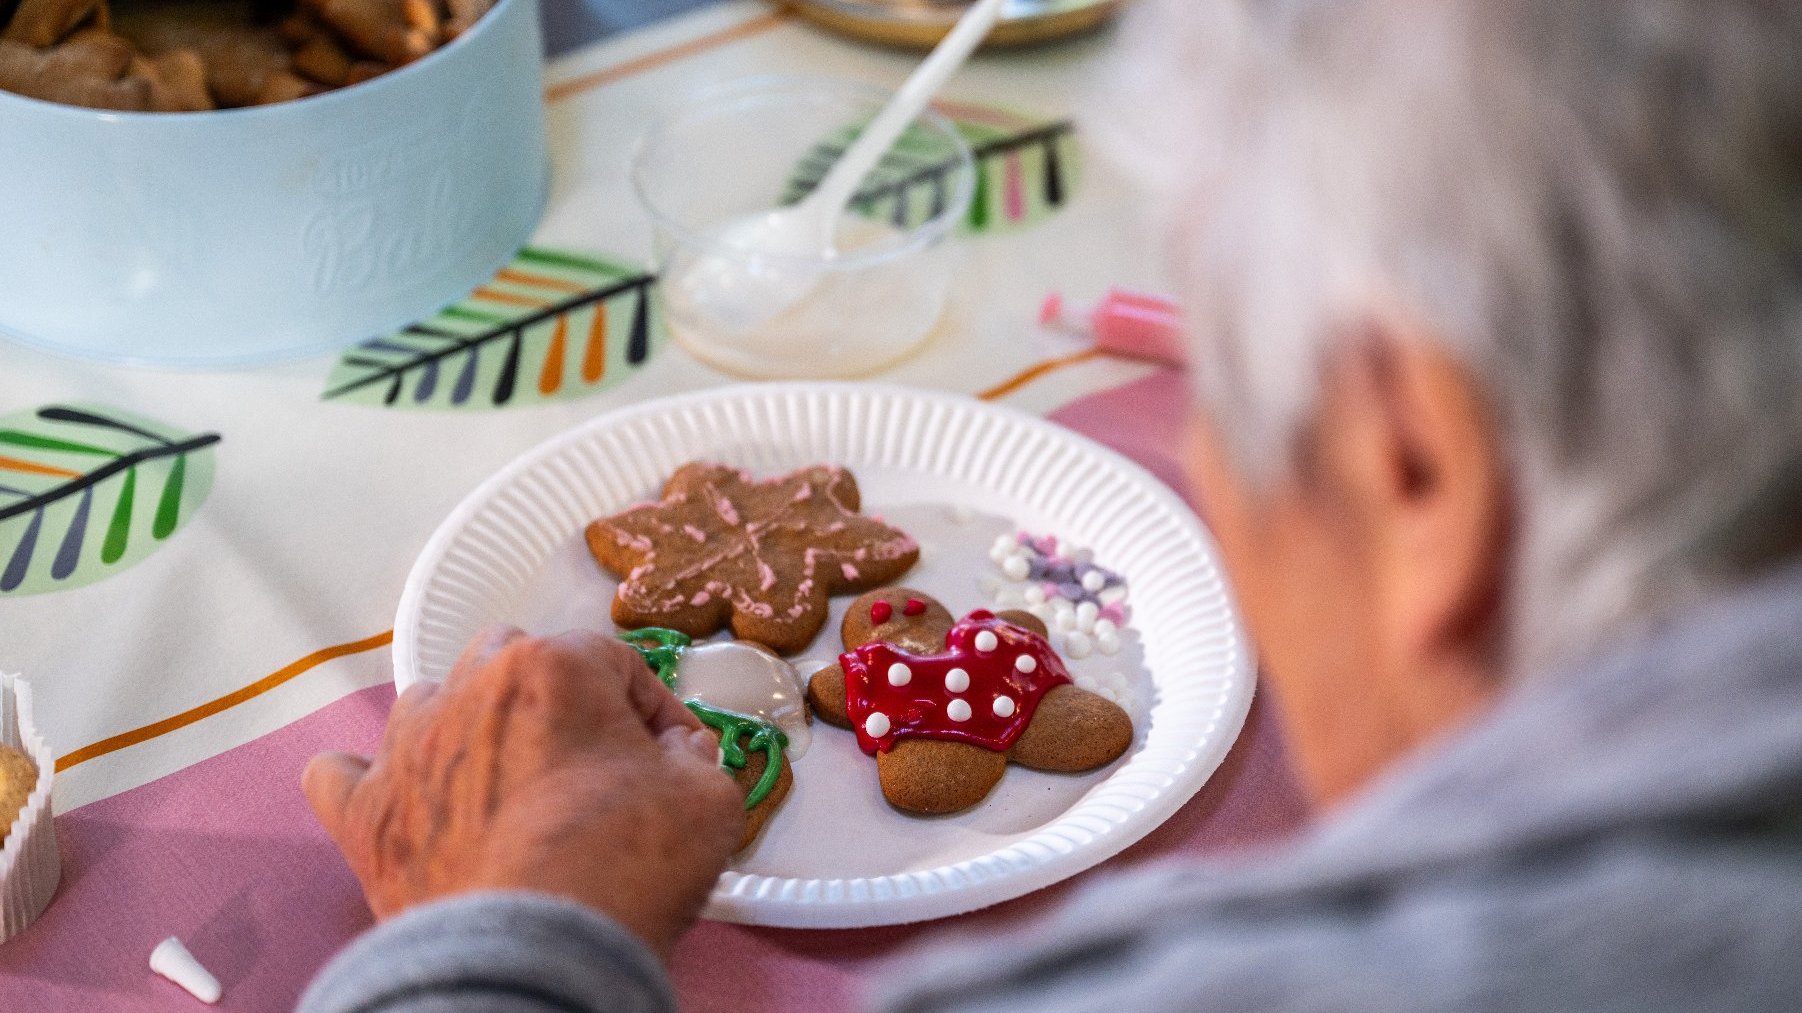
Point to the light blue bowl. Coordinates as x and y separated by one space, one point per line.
249 235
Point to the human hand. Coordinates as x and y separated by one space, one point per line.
560 765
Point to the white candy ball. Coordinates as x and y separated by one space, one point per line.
1066 620
1044 611
1078 646
1109 644
1105 627
1015 568
1093 581
1035 593
1004 545
1113 595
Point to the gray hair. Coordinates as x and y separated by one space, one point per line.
1595 204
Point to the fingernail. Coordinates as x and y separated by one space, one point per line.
707 746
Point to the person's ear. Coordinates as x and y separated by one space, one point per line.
1420 453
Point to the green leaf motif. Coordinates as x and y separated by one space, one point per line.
68 470
550 326
1026 169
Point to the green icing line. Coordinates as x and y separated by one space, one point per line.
662 650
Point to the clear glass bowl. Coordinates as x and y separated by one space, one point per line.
764 142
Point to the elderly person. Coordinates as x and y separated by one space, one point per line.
1498 330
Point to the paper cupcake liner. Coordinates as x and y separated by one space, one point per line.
30 867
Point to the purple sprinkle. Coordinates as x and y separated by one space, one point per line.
1060 572
1071 591
1035 569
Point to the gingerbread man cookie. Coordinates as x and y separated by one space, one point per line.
763 557
945 704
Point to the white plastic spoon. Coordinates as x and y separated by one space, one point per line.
775 258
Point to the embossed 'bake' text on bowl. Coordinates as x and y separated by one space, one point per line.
249 235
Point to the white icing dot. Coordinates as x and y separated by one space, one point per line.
1093 581
1004 706
1026 663
899 674
957 680
1106 627
876 725
1034 594
958 710
1016 568
1078 645
986 642
1109 643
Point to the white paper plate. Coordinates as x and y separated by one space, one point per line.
951 471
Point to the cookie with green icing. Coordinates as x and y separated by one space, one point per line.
755 748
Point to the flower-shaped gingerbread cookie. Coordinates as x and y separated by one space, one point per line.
721 548
945 704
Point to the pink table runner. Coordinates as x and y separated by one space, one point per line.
226 855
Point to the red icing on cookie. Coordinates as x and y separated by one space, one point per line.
913 607
979 691
880 612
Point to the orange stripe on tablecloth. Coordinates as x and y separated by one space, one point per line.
518 277
651 61
229 700
496 295
550 378
1033 372
33 468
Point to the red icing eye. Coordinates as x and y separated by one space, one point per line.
880 612
913 607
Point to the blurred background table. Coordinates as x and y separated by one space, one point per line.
184 692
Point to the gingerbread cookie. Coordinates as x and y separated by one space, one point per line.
763 557
754 748
944 705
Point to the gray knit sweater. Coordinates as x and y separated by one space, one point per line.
1625 835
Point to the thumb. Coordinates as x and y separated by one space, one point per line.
328 780
690 747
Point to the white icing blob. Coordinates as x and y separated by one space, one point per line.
899 674
1026 663
1004 706
957 680
986 641
958 710
876 725
745 678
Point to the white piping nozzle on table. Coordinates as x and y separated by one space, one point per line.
173 961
